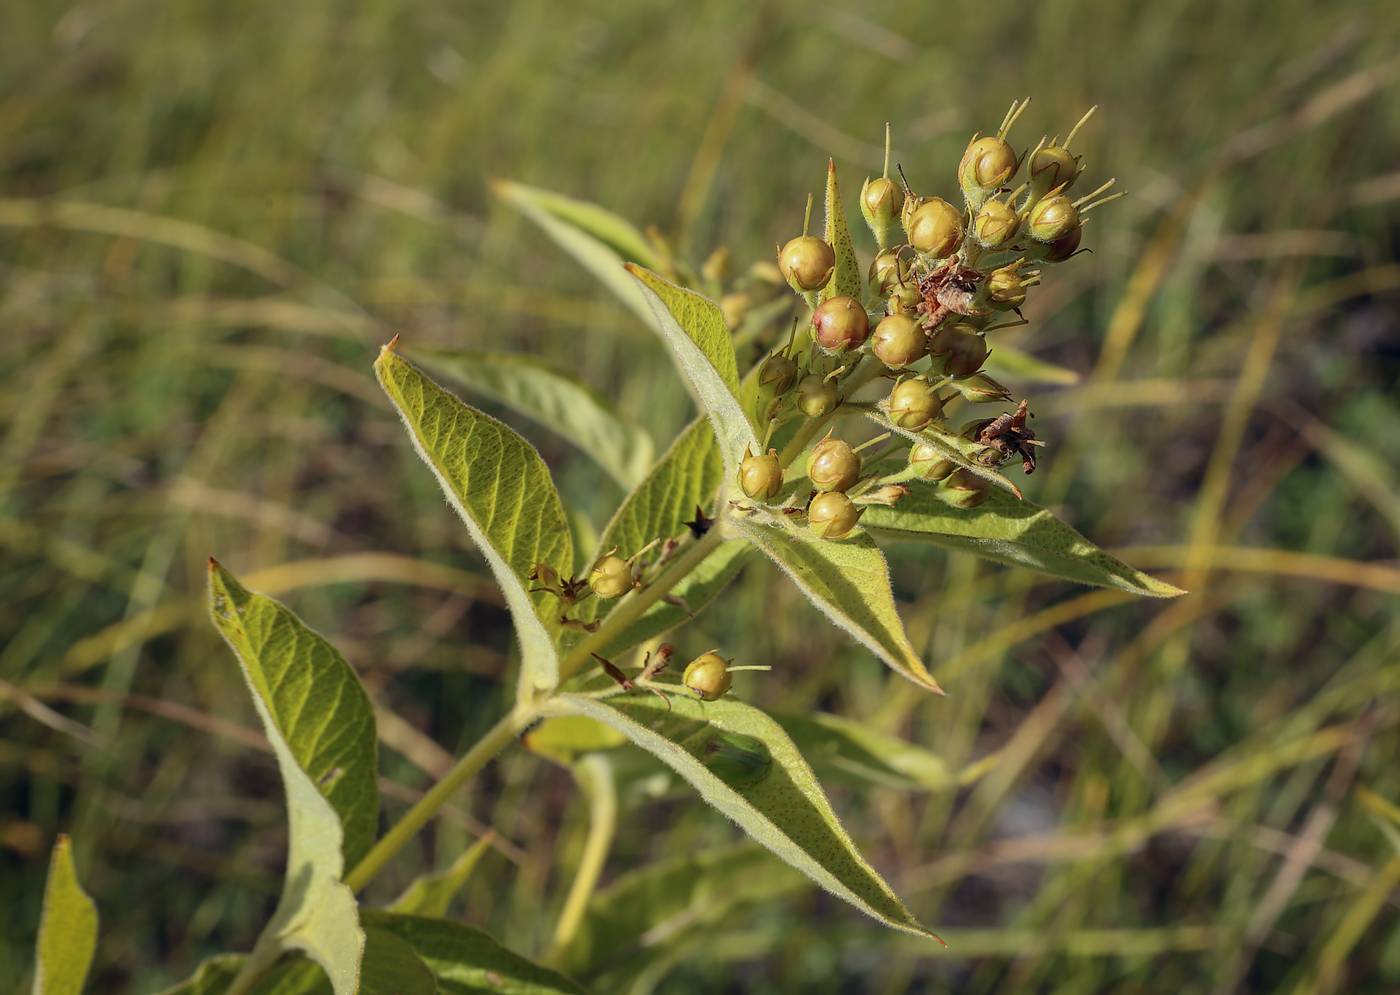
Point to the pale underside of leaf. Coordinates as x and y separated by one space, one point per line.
1009 531
694 328
312 708
849 581
503 493
785 809
559 402
845 278
67 928
955 449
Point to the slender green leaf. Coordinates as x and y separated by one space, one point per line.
467 960
557 401
597 239
848 580
431 894
1010 531
503 492
67 928
844 749
778 802
1013 364
563 738
212 977
695 329
845 278
960 451
629 924
321 726
392 967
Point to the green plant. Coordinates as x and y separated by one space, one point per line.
676 541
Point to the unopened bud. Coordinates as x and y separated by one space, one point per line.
881 202
898 340
981 389
996 225
833 465
958 350
1050 167
965 489
761 477
816 396
778 374
610 577
840 323
935 228
929 462
807 263
707 676
986 166
1052 218
888 271
832 515
1005 289
1064 246
913 404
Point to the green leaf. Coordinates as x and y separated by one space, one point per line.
597 239
557 401
392 967
845 278
848 580
1013 364
695 329
212 976
563 738
782 808
958 450
1010 531
321 727
431 894
503 492
630 923
67 928
467 960
844 749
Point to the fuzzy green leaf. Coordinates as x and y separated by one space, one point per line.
598 240
849 581
503 492
1012 364
467 960
783 808
1010 531
845 278
695 329
844 749
321 726
392 967
431 894
958 450
67 928
212 977
629 924
557 401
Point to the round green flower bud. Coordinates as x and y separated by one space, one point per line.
913 404
778 374
905 296
737 759
988 162
898 340
1052 219
996 225
929 462
1064 246
888 271
958 350
936 228
707 676
816 397
881 202
833 465
832 515
840 323
1050 167
761 477
965 489
807 263
1005 290
611 576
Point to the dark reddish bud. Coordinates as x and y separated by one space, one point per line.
839 324
913 404
935 228
761 477
898 340
958 350
1064 246
816 396
833 465
807 263
832 515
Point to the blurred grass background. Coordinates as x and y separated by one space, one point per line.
212 215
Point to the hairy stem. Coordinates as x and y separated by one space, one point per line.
595 777
863 374
496 740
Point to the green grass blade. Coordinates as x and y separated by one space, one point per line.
1009 363
695 329
503 492
849 581
67 928
431 894
212 977
783 807
1009 531
468 960
321 726
559 402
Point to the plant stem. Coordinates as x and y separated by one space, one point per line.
595 777
496 740
862 376
266 953
631 609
